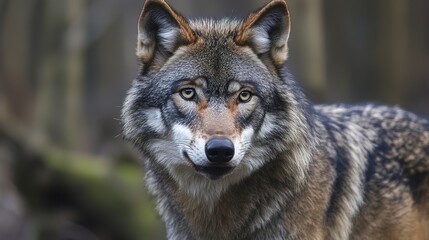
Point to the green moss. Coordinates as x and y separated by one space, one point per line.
104 196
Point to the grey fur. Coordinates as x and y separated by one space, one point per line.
307 172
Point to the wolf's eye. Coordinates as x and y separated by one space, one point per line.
187 93
245 96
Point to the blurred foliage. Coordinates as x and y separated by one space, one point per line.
107 204
65 66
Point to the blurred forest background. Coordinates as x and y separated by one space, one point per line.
65 66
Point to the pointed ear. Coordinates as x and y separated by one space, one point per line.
161 31
266 31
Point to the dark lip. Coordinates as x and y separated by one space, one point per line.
212 171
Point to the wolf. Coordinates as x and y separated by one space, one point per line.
233 149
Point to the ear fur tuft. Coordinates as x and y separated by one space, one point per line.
266 31
161 29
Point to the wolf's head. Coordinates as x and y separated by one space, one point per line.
212 103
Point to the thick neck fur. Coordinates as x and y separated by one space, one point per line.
247 207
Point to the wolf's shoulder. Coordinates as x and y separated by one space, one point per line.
392 132
395 141
387 129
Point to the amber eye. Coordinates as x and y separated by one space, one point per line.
187 93
245 96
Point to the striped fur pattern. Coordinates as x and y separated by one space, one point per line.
299 171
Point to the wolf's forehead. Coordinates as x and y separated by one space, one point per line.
210 28
217 57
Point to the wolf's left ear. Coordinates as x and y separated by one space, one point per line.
266 31
161 31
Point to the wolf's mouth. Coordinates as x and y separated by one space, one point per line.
212 171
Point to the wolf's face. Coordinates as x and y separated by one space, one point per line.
210 102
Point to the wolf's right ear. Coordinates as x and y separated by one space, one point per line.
161 31
266 31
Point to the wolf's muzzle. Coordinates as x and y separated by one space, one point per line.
219 150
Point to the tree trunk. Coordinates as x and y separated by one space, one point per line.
75 73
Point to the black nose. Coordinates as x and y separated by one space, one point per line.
219 150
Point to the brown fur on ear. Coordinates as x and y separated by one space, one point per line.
267 31
160 28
